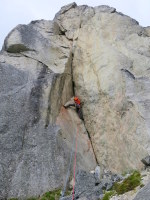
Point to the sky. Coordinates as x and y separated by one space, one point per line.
14 12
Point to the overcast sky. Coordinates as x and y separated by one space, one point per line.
14 12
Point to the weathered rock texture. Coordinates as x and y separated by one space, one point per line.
111 75
144 194
108 55
36 134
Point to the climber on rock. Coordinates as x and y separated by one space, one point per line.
77 104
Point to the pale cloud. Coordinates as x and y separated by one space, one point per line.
14 12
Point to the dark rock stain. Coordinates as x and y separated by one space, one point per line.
36 94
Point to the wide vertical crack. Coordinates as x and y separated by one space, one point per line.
91 145
73 84
73 88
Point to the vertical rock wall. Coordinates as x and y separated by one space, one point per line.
35 81
111 75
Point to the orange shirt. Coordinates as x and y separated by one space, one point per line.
77 101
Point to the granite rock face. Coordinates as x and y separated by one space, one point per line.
98 54
111 75
36 134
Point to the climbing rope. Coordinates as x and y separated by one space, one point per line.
69 167
75 164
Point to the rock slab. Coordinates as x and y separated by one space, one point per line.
144 193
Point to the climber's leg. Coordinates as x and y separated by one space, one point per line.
79 111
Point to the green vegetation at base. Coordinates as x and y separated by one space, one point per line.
126 185
53 195
13 199
108 195
142 185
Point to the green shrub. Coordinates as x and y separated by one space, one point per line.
128 184
142 185
53 195
13 199
108 195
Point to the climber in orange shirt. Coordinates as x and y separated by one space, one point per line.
77 104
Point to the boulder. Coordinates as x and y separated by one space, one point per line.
97 172
146 161
40 40
89 186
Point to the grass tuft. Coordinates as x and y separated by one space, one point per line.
142 185
53 195
13 199
128 184
108 195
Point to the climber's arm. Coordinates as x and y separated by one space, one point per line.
71 104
